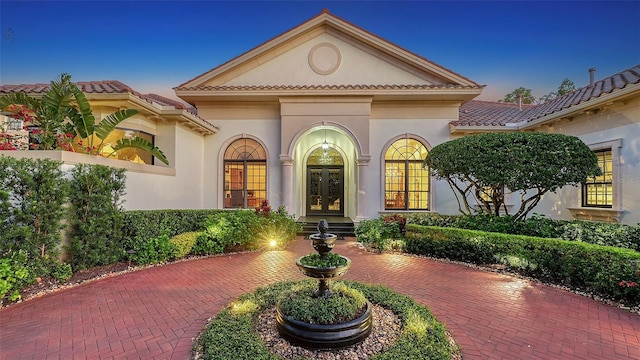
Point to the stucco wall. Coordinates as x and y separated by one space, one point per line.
619 123
182 190
266 131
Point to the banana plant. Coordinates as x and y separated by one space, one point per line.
64 108
84 124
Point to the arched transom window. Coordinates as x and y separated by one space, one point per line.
406 182
245 174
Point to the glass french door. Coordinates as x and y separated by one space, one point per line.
325 190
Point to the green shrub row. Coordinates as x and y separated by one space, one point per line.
606 271
36 197
246 230
618 235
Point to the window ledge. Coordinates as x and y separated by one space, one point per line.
597 214
72 158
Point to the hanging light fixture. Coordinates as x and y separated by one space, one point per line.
325 144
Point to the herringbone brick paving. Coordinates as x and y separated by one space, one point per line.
157 312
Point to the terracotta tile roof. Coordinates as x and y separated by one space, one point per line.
486 113
323 87
100 87
482 113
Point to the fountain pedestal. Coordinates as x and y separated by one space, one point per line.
322 336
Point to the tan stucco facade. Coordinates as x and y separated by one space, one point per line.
327 80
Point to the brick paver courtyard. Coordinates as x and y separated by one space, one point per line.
156 313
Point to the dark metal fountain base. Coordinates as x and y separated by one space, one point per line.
318 336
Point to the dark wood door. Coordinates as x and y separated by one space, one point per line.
325 190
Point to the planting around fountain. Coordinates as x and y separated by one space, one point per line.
331 316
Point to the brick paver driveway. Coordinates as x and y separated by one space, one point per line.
157 312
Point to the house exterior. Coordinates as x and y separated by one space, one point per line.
328 119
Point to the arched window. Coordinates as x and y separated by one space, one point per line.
245 174
406 182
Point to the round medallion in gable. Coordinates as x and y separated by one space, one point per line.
324 58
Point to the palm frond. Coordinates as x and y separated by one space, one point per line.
83 119
140 143
19 98
59 96
109 123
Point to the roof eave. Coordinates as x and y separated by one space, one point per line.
596 103
193 96
572 111
470 129
169 112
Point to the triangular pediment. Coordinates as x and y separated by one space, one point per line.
323 53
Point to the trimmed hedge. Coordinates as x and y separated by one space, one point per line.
603 270
618 235
184 243
152 223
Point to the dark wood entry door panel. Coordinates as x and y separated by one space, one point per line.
325 190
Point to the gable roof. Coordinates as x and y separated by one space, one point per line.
475 115
155 103
328 23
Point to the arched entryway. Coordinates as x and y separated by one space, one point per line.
325 183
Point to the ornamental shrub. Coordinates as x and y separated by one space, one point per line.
276 226
229 229
62 272
618 235
14 275
156 250
603 270
300 303
152 223
377 232
31 210
184 243
96 215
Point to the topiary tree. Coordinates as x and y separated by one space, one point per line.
484 166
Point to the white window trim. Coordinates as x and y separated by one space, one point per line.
613 214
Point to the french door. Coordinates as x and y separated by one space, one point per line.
325 190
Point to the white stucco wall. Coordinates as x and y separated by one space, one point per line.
617 124
357 66
182 190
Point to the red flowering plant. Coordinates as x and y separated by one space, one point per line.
5 142
264 209
398 219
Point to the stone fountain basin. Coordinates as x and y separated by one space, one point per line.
319 336
323 272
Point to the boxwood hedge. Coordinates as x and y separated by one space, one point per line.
606 271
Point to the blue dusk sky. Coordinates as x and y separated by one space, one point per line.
154 46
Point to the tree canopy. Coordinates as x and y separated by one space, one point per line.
565 87
520 94
485 166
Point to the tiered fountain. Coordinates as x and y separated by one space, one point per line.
324 336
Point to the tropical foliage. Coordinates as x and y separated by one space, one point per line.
64 110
